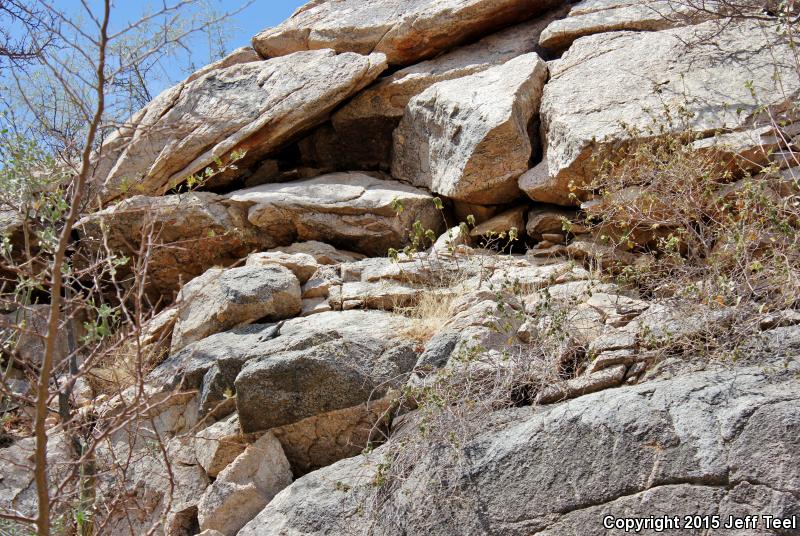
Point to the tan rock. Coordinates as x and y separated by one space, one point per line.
547 220
190 232
583 385
256 106
643 73
405 30
502 223
322 253
302 265
350 209
360 134
325 439
221 299
218 445
468 139
245 487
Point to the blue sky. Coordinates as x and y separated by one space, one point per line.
242 27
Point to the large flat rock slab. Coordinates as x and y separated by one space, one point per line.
405 30
614 87
468 138
253 107
350 210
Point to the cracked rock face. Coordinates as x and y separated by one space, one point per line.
592 17
405 30
192 232
609 85
222 299
720 442
360 134
334 371
255 107
340 208
468 138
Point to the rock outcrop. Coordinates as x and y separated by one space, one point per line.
244 487
253 107
360 134
712 441
350 209
592 17
468 138
617 87
405 30
222 299
188 234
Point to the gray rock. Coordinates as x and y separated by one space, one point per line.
229 350
222 299
256 106
334 371
405 30
720 441
351 210
609 86
468 139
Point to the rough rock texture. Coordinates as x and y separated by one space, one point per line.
190 232
592 17
245 487
253 106
405 30
324 439
221 299
468 138
349 209
218 445
360 133
721 441
608 84
331 371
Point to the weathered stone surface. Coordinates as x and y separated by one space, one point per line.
222 299
187 368
351 210
546 220
321 363
322 440
468 138
322 253
718 441
502 223
360 134
253 106
592 17
302 265
218 445
405 30
602 91
244 487
190 232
